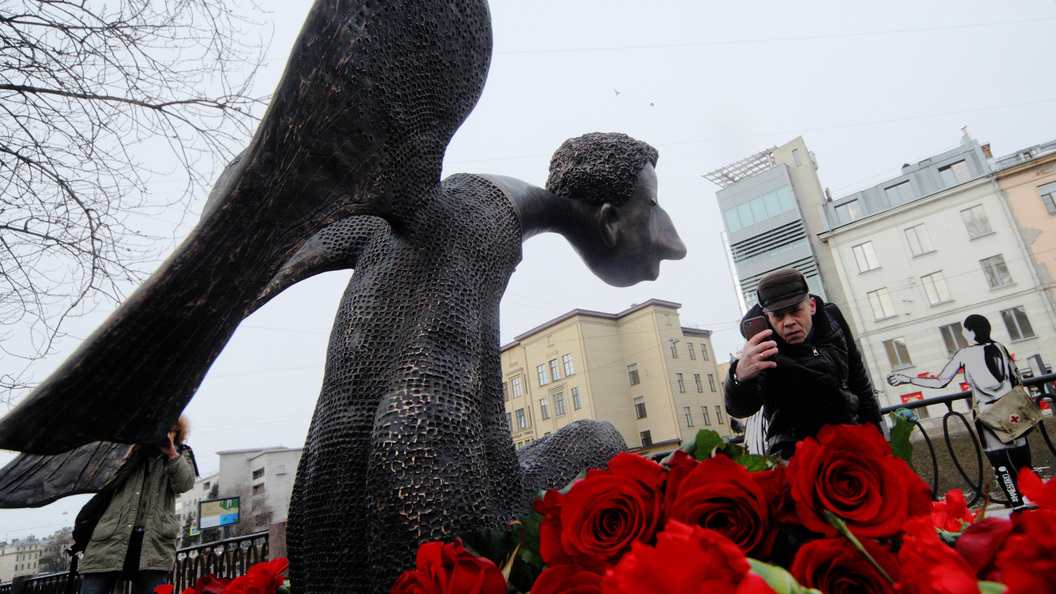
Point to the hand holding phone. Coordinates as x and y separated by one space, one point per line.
753 361
753 326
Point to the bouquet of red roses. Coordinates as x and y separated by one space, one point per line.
844 515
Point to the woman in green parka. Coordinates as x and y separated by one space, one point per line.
136 535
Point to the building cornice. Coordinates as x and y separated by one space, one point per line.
586 313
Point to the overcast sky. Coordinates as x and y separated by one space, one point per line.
868 86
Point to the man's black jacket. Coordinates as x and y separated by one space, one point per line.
821 381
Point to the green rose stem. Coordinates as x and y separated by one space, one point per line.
507 567
841 527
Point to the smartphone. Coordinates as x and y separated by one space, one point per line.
753 326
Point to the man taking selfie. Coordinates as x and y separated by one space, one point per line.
800 366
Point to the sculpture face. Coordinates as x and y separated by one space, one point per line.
638 234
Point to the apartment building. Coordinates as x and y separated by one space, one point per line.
918 253
1027 179
262 477
641 370
20 557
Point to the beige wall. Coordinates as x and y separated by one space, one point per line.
1038 228
602 346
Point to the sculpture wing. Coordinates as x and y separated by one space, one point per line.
372 93
32 481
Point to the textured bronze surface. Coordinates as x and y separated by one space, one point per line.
371 95
409 441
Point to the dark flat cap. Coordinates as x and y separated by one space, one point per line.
782 288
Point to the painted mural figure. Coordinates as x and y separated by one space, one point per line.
991 373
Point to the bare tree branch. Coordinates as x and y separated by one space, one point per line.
91 93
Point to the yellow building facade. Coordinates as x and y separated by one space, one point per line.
639 369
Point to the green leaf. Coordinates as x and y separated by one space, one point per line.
777 578
707 441
992 588
903 426
755 462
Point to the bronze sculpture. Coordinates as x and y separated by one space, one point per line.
409 441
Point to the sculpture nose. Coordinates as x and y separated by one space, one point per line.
673 248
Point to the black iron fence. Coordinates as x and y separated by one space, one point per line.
957 462
224 558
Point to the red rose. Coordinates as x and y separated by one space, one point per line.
834 566
722 495
601 515
850 471
929 566
1042 494
450 569
949 514
685 560
207 584
980 543
567 579
262 578
1028 559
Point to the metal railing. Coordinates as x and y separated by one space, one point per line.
963 450
223 558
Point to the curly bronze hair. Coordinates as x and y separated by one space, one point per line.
599 167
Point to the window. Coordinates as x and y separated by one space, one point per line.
759 209
919 240
711 382
897 353
258 473
505 392
554 373
516 388
569 369
954 174
1048 196
996 272
881 302
639 407
647 439
681 384
865 257
935 287
1017 323
280 469
899 193
559 404
544 413
674 348
632 374
704 351
258 490
953 337
696 379
509 421
689 416
541 371
522 420
976 222
692 353
576 404
848 212
718 414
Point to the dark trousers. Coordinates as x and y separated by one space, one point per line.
103 583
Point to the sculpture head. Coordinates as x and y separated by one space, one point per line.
613 176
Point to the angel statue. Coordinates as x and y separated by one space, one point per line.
409 441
